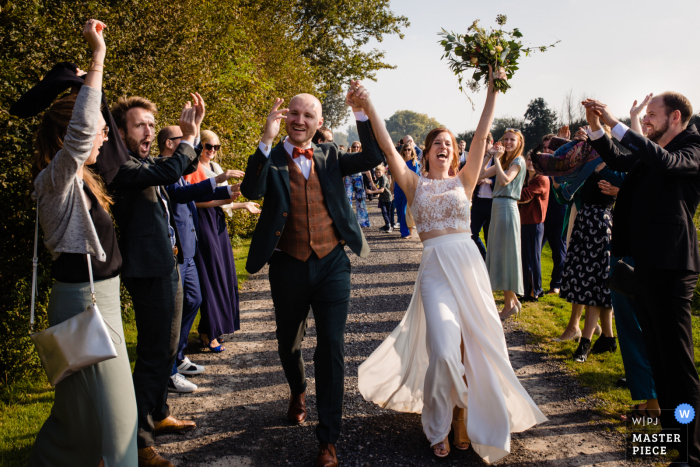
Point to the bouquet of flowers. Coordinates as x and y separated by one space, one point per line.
479 48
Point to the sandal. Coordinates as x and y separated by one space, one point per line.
639 412
461 438
218 349
443 446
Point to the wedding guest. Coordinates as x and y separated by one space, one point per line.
355 189
410 157
408 141
152 252
481 202
587 265
183 196
93 418
219 312
323 135
304 242
386 203
462 155
534 198
341 147
448 353
503 258
553 227
654 224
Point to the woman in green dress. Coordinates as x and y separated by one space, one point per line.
503 253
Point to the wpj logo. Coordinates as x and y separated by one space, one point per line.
647 440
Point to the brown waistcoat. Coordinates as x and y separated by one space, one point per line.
309 227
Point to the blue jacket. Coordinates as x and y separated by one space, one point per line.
182 198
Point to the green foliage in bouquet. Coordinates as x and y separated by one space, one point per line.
479 48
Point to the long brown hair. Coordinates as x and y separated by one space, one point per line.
48 140
454 163
507 159
414 156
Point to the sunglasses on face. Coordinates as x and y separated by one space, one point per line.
356 147
212 147
174 138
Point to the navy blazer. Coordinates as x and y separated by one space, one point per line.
183 195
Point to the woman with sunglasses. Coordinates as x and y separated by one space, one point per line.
355 188
219 312
93 418
410 158
503 257
451 337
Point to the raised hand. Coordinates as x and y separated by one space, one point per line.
93 34
187 123
272 124
199 110
356 95
601 110
228 175
636 110
564 132
592 116
501 74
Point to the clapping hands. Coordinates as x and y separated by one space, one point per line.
637 110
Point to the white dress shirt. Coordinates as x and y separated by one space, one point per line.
618 132
302 162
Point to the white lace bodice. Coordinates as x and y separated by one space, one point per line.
439 204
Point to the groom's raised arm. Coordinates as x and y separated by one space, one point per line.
370 156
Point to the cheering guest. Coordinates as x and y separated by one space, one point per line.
654 224
304 226
408 153
386 203
183 195
481 202
503 258
533 211
219 312
553 231
93 419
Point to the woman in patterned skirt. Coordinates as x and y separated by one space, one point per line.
355 188
587 265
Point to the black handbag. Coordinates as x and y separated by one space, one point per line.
622 279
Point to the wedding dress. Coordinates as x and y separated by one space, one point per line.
419 368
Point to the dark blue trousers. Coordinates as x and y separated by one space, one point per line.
553 225
481 217
531 244
387 208
192 299
401 204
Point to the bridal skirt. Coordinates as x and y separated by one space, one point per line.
419 368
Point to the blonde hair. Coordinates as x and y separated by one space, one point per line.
507 159
413 154
207 136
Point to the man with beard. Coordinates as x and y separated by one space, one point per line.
151 250
653 223
306 222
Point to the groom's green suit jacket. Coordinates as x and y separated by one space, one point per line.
268 177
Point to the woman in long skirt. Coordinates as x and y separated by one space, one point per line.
451 337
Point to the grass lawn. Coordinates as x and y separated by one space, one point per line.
26 405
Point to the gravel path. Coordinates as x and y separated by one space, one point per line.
241 404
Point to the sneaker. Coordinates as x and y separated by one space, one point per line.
385 228
397 226
178 383
189 368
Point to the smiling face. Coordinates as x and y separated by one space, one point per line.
209 148
656 121
462 146
510 141
440 153
140 130
305 116
528 163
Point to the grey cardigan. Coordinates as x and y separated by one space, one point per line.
63 213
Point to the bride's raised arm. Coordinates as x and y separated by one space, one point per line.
472 168
407 179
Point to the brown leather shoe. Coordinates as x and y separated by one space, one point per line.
148 457
326 456
297 408
173 425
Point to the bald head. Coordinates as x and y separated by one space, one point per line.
305 116
168 140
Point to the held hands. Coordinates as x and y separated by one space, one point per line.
607 189
228 175
93 34
357 96
272 124
597 108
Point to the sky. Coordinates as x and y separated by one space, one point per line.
615 50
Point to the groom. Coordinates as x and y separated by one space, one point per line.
305 223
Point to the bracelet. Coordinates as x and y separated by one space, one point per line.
96 71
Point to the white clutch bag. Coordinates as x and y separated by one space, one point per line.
76 343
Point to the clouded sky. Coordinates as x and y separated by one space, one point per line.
614 50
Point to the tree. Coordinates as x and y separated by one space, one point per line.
499 126
467 136
341 139
352 134
335 110
539 121
407 122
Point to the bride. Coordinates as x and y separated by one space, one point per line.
449 352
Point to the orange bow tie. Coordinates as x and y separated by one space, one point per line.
308 153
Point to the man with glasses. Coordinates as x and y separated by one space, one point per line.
183 196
